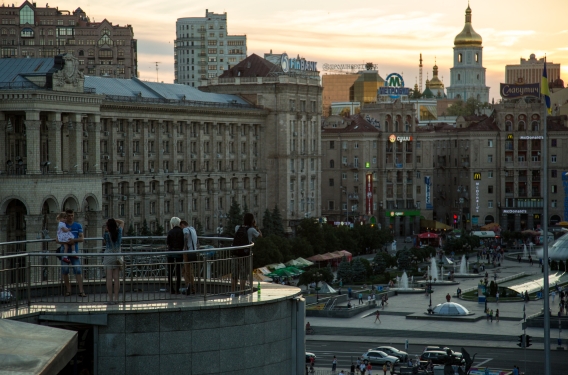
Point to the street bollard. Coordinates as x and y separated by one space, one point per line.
406 344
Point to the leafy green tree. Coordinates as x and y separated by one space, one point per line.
267 226
145 230
346 238
311 231
284 246
404 260
358 270
131 232
380 263
331 242
345 271
266 251
468 108
277 225
309 277
159 229
301 247
234 218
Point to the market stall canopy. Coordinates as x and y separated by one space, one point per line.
263 270
559 251
276 266
535 285
257 275
562 224
281 272
433 224
294 270
304 261
295 263
490 226
427 235
484 234
347 254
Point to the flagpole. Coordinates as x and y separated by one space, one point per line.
545 233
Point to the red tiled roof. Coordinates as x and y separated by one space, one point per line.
252 66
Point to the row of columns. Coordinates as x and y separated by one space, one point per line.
65 152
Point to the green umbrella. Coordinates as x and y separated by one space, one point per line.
294 270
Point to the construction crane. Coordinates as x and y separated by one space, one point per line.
420 74
157 69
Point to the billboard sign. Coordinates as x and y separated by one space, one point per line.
394 86
428 183
509 91
369 193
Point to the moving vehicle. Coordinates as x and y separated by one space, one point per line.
438 357
394 352
309 357
376 357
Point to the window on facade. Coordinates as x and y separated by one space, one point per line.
460 59
553 158
331 145
489 143
331 164
490 174
554 203
331 182
490 158
331 205
26 15
490 189
554 173
553 142
490 204
554 189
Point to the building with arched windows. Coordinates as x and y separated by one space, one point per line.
467 76
102 49
146 151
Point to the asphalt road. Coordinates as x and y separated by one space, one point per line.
501 358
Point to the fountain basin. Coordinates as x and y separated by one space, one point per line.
408 290
465 275
424 283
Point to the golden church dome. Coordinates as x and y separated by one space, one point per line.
435 82
468 37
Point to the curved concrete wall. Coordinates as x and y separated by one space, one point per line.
259 338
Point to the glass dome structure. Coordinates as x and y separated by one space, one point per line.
450 308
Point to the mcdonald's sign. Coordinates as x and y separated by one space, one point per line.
510 136
477 176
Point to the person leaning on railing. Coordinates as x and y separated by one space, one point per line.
175 242
112 240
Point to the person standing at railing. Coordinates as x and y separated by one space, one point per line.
77 230
112 240
250 231
175 242
190 243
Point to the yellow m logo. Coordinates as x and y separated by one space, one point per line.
477 176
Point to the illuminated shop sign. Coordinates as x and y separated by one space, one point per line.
398 138
288 64
428 183
514 211
394 86
516 90
477 197
531 137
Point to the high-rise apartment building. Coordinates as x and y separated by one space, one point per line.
203 49
530 71
103 49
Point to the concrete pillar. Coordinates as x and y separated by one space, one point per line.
3 233
75 143
55 145
144 145
94 139
33 143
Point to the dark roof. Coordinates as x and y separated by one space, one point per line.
556 123
486 124
252 66
13 70
357 124
428 93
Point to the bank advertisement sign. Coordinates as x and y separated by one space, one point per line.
369 194
428 183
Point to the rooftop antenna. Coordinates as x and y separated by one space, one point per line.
420 74
157 69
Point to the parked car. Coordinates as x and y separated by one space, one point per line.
438 357
432 348
376 357
394 352
309 357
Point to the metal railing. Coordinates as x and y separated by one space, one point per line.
149 273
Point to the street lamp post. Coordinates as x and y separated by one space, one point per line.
317 276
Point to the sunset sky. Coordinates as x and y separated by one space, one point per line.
391 34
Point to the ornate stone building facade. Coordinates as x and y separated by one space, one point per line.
103 49
140 151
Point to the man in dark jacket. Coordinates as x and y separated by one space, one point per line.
175 242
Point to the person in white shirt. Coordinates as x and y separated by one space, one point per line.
190 243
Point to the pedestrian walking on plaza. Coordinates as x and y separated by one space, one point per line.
352 369
360 298
487 371
385 369
553 294
363 368
519 258
448 297
369 369
377 316
459 292
349 292
497 315
530 260
491 315
515 370
496 296
334 364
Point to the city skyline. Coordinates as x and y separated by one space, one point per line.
332 33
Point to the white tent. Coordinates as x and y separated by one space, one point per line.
275 266
325 288
484 234
305 262
295 263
